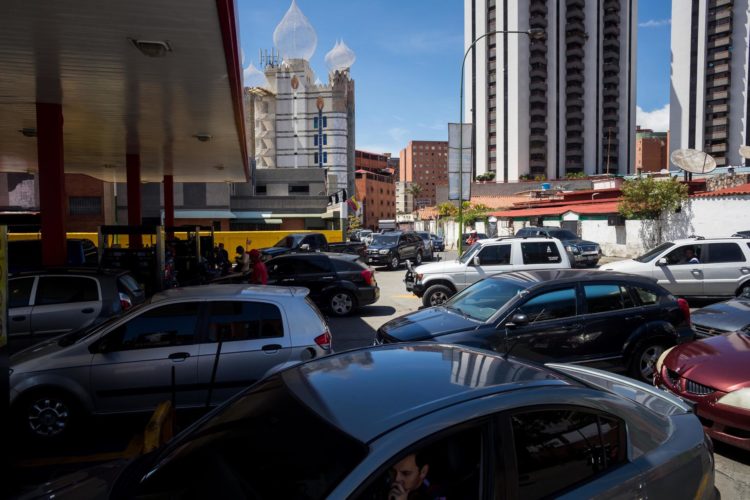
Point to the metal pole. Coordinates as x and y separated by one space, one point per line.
461 132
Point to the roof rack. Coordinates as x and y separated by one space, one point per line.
696 237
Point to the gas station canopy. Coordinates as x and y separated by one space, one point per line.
159 79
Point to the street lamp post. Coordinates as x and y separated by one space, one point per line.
535 33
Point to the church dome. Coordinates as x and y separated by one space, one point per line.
253 77
295 37
340 57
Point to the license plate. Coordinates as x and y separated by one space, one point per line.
370 260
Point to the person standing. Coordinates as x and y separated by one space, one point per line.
259 275
242 260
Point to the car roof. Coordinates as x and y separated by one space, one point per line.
229 291
531 278
700 239
309 255
367 392
87 271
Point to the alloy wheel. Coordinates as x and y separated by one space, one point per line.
48 416
438 298
394 262
647 363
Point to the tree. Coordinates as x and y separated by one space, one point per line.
352 224
473 213
447 209
415 190
648 198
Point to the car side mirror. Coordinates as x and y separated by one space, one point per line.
304 247
662 262
477 261
518 319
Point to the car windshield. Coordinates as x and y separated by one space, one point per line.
290 241
469 253
424 236
264 443
651 254
385 239
563 234
76 335
483 299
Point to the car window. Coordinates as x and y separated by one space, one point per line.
280 267
19 292
484 298
724 252
343 265
165 326
651 254
540 253
250 448
447 467
605 298
559 449
495 255
311 265
243 320
550 305
66 289
646 297
130 284
685 255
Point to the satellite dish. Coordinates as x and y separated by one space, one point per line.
693 161
745 152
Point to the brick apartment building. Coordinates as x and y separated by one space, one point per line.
651 150
374 182
425 163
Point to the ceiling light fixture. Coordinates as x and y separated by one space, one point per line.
203 137
28 132
151 48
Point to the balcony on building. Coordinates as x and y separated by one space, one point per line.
611 80
612 17
575 65
575 14
538 111
575 51
718 69
575 3
719 42
610 103
611 5
610 115
612 30
575 37
575 27
574 90
538 72
537 139
574 77
574 114
719 29
538 86
539 58
715 96
537 98
538 21
574 102
538 7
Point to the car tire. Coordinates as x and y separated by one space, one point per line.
436 295
394 263
743 288
643 361
342 303
418 258
48 415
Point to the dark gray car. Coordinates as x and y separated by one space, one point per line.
478 425
582 253
725 317
128 363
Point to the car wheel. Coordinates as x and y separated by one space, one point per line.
418 258
744 288
436 295
341 303
48 415
643 363
394 263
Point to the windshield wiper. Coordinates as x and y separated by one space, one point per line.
460 311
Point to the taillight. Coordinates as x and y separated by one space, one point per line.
125 301
367 275
685 308
324 340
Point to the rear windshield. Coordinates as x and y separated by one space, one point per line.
347 265
264 444
131 285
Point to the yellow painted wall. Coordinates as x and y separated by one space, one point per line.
248 239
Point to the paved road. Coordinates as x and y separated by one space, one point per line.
732 465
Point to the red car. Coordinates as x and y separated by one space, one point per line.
715 374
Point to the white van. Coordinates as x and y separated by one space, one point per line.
438 281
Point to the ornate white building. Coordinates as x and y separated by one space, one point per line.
299 121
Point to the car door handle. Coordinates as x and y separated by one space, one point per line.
745 270
179 356
18 318
271 347
327 278
287 280
696 271
637 317
87 310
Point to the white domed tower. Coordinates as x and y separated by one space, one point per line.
340 57
295 37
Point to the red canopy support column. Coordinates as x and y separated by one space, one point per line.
133 166
52 202
169 201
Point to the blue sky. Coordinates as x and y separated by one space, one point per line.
409 53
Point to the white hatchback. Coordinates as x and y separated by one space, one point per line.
695 267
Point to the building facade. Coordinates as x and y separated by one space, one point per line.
651 150
404 198
376 195
709 102
558 104
424 163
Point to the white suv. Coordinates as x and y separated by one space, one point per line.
695 267
437 282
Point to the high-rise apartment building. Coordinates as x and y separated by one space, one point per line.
557 104
709 105
424 163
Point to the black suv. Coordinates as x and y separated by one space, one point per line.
394 247
337 282
47 303
582 253
609 320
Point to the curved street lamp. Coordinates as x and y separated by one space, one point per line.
534 34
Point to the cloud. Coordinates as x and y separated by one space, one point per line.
399 135
655 23
656 120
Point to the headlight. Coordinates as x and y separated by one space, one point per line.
384 251
739 399
572 249
418 277
660 361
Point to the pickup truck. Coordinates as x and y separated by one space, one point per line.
310 242
438 281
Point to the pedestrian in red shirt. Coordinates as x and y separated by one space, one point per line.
259 275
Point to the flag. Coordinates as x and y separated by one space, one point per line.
352 204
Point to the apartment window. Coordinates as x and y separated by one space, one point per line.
325 122
299 189
325 139
325 158
315 122
261 189
85 205
315 158
315 140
